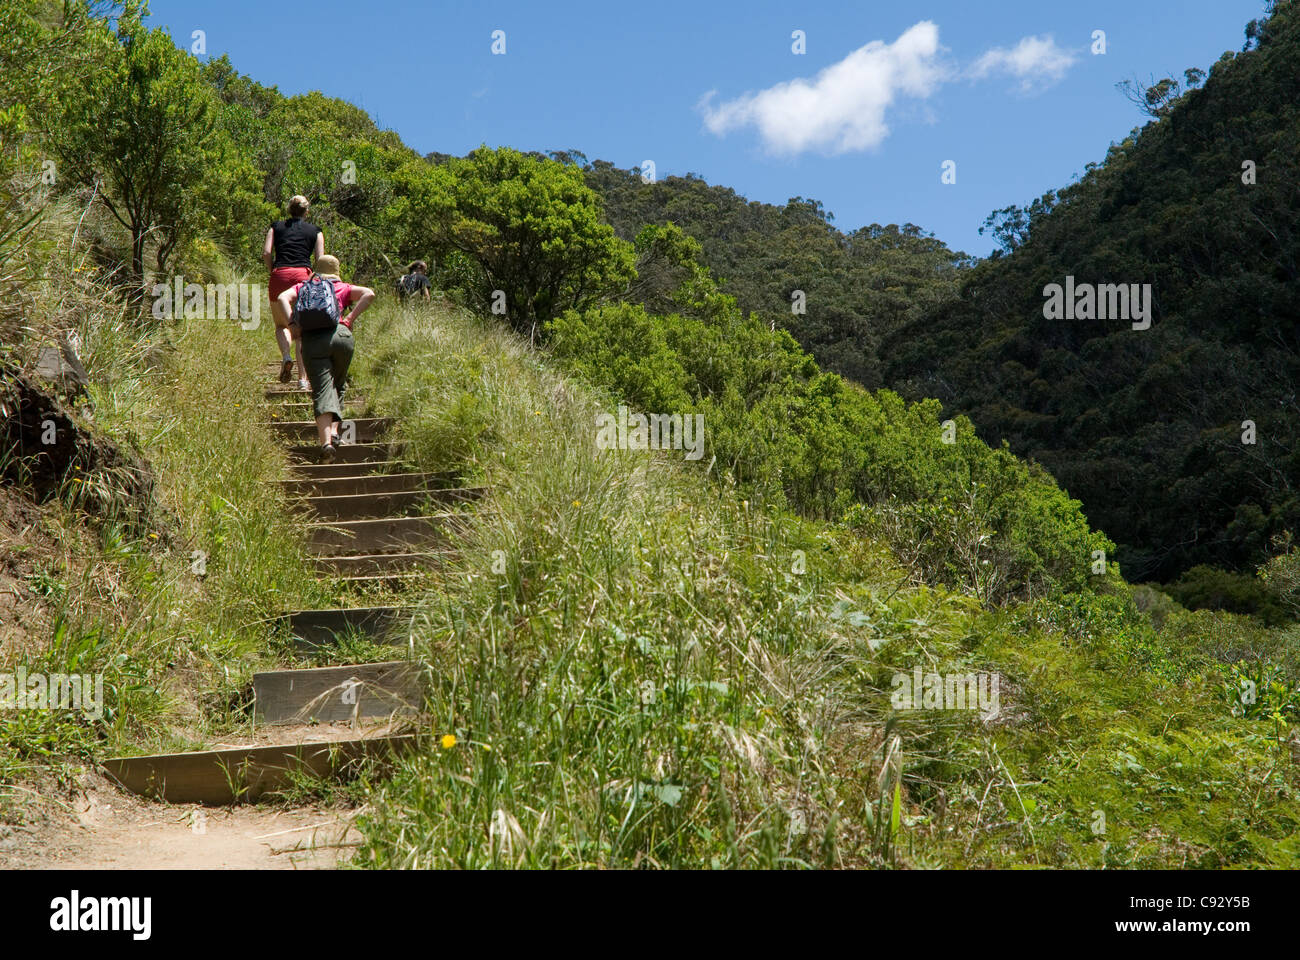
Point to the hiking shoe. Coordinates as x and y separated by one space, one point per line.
286 371
328 453
304 385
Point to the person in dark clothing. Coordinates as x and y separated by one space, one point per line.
290 247
415 284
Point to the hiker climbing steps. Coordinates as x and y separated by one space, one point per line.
368 523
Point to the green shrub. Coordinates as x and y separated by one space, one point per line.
1282 575
1154 603
1209 588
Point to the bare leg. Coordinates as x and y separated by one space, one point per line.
325 430
283 340
281 323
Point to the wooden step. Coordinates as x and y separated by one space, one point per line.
317 628
385 534
285 390
303 400
365 506
246 773
351 453
321 471
337 694
370 483
288 395
347 566
298 412
366 429
392 580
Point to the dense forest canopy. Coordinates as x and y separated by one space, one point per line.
857 288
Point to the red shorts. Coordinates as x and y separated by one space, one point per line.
282 278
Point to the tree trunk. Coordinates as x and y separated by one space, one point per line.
136 294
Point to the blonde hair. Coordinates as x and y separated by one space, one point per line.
298 206
327 265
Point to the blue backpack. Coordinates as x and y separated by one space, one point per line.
317 307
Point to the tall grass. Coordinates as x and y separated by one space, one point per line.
639 667
178 612
632 667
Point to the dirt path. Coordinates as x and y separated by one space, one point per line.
102 828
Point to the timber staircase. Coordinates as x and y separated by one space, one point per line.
372 525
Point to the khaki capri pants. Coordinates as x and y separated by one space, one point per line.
327 354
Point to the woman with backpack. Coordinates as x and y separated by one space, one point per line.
324 331
290 245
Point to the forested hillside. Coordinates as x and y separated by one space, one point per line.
858 287
1148 428
1180 440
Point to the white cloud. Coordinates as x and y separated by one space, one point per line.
1035 62
843 108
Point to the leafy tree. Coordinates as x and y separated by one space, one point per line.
141 133
534 230
668 269
1158 97
225 206
236 89
48 47
1010 225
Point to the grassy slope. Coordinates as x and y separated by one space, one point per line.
634 670
636 675
176 646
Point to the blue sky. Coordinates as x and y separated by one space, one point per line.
1008 90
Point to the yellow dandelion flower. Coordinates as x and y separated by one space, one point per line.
448 741
577 503
153 536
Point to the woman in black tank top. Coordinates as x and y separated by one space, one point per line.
295 242
290 247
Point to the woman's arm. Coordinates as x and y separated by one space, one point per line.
268 249
320 244
362 296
